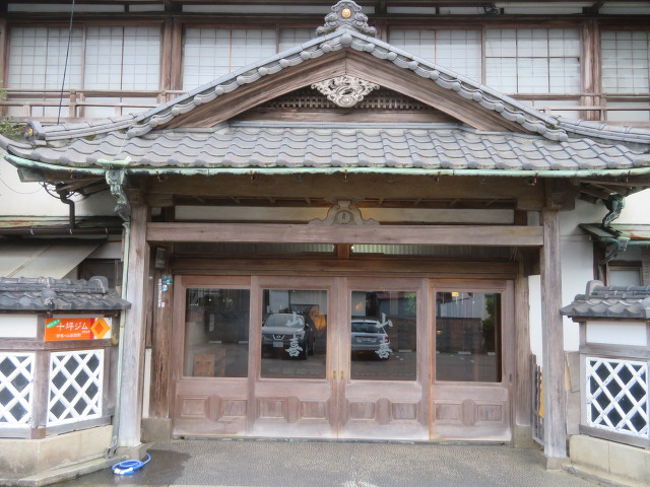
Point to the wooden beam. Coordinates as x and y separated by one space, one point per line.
476 235
553 339
132 344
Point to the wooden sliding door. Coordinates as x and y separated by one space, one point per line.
384 350
294 323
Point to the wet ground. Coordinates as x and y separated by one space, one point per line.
271 463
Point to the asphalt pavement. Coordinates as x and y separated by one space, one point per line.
278 463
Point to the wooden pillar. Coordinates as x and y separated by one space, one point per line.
130 411
159 406
552 339
523 392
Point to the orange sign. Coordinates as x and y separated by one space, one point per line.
62 329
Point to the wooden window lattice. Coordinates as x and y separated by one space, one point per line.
76 386
617 395
16 383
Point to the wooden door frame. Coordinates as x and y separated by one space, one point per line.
257 383
508 341
382 281
182 284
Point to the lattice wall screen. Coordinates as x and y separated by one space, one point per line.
617 395
16 379
76 386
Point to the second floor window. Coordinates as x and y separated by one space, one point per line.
101 58
533 60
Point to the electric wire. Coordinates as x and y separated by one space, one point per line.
65 65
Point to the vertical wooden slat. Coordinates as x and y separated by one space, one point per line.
553 339
167 61
590 68
523 387
161 346
177 57
134 332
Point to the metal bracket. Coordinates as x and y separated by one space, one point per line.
116 181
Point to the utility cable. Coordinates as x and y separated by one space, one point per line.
65 65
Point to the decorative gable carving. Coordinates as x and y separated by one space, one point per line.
344 213
345 91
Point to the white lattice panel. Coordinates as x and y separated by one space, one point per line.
76 386
16 380
617 395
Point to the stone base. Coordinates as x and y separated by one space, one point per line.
21 459
156 429
610 461
522 437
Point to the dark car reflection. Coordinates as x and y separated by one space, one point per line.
289 333
369 339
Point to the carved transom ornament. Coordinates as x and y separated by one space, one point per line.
345 91
344 213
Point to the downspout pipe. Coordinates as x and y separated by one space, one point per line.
64 197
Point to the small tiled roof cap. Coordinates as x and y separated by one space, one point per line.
48 294
600 301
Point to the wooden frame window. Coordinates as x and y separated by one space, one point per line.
533 60
101 60
210 52
625 74
459 50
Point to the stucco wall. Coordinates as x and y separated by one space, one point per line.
29 199
577 261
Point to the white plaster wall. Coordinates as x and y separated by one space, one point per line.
577 261
29 199
637 208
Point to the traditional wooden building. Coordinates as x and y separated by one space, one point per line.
335 241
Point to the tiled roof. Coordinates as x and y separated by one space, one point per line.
600 301
47 294
271 145
348 36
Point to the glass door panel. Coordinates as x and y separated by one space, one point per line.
294 334
383 335
216 332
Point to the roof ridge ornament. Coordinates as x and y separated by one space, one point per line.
346 14
345 91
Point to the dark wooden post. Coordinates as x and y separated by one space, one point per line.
134 332
552 339
161 342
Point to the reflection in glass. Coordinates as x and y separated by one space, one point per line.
216 333
468 336
383 335
294 333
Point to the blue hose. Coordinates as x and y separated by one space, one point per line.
129 467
